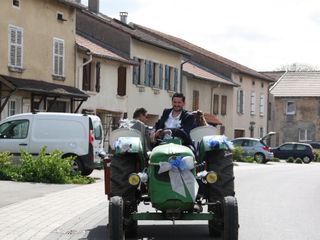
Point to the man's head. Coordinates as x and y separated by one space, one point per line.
178 102
140 114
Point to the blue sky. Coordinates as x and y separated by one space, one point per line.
262 35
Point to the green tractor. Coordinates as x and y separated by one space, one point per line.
180 183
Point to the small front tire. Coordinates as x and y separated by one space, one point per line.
306 159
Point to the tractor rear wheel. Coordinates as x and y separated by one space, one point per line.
116 218
230 219
121 167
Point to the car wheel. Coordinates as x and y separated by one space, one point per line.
259 158
306 159
76 165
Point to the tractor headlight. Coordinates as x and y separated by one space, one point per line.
211 177
134 179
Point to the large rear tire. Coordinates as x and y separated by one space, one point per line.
116 231
220 162
121 167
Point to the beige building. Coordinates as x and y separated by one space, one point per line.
37 71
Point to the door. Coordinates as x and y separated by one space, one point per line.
14 136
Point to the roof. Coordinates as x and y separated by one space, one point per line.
212 119
42 87
275 75
136 33
297 84
99 51
191 47
201 73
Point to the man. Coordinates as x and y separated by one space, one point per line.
175 117
139 121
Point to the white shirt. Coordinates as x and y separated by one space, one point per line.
173 122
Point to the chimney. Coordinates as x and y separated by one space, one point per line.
123 17
93 6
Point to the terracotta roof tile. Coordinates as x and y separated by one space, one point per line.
198 72
100 51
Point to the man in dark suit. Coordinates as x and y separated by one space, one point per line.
175 117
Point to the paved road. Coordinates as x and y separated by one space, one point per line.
277 201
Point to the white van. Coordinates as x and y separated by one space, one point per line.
79 135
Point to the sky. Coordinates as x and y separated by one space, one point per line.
262 35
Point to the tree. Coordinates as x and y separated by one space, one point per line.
298 67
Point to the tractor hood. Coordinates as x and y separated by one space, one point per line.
163 152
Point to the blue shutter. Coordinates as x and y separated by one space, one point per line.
146 73
175 83
151 73
160 76
167 78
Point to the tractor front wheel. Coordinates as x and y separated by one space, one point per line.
116 231
230 219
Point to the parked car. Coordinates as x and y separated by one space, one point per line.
255 147
295 150
79 135
315 145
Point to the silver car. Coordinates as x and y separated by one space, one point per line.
255 147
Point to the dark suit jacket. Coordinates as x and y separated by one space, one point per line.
187 120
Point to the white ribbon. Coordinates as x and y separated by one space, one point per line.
181 176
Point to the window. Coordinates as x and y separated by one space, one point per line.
261 132
15 47
261 106
303 134
149 76
161 78
253 103
17 129
58 57
195 100
175 79
56 106
136 72
167 75
223 105
122 81
16 3
240 101
91 76
215 104
290 108
286 147
12 107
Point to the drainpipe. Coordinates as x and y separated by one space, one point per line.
181 69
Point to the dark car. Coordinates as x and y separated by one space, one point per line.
315 145
295 150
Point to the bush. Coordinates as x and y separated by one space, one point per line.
275 160
46 168
290 160
7 169
317 155
237 153
298 160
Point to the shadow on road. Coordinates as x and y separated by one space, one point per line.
159 232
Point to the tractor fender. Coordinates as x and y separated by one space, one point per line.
128 145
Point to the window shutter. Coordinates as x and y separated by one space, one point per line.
86 76
195 102
15 46
241 101
146 73
98 66
58 57
223 105
151 74
253 103
175 83
238 101
215 104
167 78
161 76
261 105
122 81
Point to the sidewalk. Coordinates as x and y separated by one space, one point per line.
60 215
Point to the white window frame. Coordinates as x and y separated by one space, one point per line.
253 103
14 47
261 106
288 112
240 102
60 56
303 135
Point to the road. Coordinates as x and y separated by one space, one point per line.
277 201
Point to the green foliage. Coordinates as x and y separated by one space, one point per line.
46 168
248 159
275 160
237 153
298 160
317 155
290 160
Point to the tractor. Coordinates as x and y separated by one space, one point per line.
180 182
